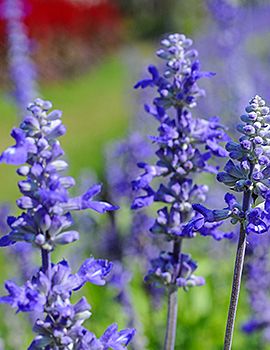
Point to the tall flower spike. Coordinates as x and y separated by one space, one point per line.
46 219
251 176
46 223
184 147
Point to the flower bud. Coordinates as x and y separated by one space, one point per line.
23 170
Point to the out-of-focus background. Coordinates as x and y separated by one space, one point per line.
88 54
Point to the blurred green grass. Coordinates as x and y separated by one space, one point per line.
95 111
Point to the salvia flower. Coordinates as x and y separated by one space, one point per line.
62 325
247 170
163 271
45 222
185 144
46 219
52 295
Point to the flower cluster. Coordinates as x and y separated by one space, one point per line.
164 273
22 69
250 175
46 219
185 145
45 223
62 326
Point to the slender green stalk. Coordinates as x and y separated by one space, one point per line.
171 319
238 269
173 303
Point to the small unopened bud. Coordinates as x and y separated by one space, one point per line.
23 170
25 203
40 239
57 165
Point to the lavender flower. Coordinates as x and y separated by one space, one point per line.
45 223
185 145
22 69
251 177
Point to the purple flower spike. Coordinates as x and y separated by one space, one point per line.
250 175
46 222
45 191
184 146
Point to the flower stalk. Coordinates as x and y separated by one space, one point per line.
251 176
173 301
171 318
184 146
237 276
46 223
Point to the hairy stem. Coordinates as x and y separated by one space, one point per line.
238 269
173 303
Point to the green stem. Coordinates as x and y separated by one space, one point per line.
238 269
171 319
173 302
